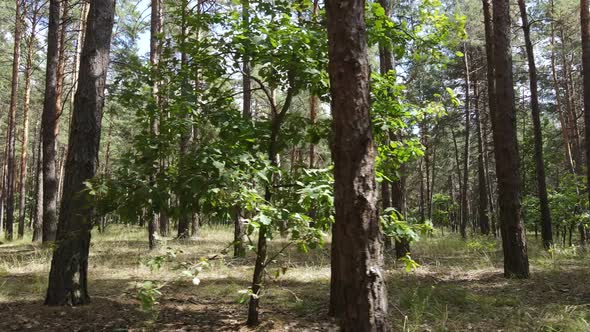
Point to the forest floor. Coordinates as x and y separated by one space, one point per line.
458 287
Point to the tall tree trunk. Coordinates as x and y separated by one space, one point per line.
465 187
50 120
184 221
482 188
25 133
239 228
357 292
516 263
69 267
585 26
546 231
155 50
490 65
10 164
394 197
59 105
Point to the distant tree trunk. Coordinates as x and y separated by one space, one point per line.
69 267
516 263
465 187
546 231
585 26
239 227
184 222
357 292
482 188
155 50
61 68
422 200
489 33
2 192
25 133
195 226
10 164
313 100
50 120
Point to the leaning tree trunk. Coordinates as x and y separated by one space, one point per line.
357 291
585 23
516 263
49 120
546 231
69 267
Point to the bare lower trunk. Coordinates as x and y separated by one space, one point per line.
50 120
69 267
357 291
516 262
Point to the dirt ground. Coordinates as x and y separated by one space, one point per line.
458 287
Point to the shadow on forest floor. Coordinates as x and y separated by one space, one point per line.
459 287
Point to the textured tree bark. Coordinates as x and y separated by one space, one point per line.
465 187
546 230
50 120
585 26
38 218
10 162
516 263
489 33
357 291
69 267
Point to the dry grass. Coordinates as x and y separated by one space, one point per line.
458 287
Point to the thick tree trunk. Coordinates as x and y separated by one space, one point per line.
10 162
465 187
546 231
516 263
357 292
50 120
69 267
